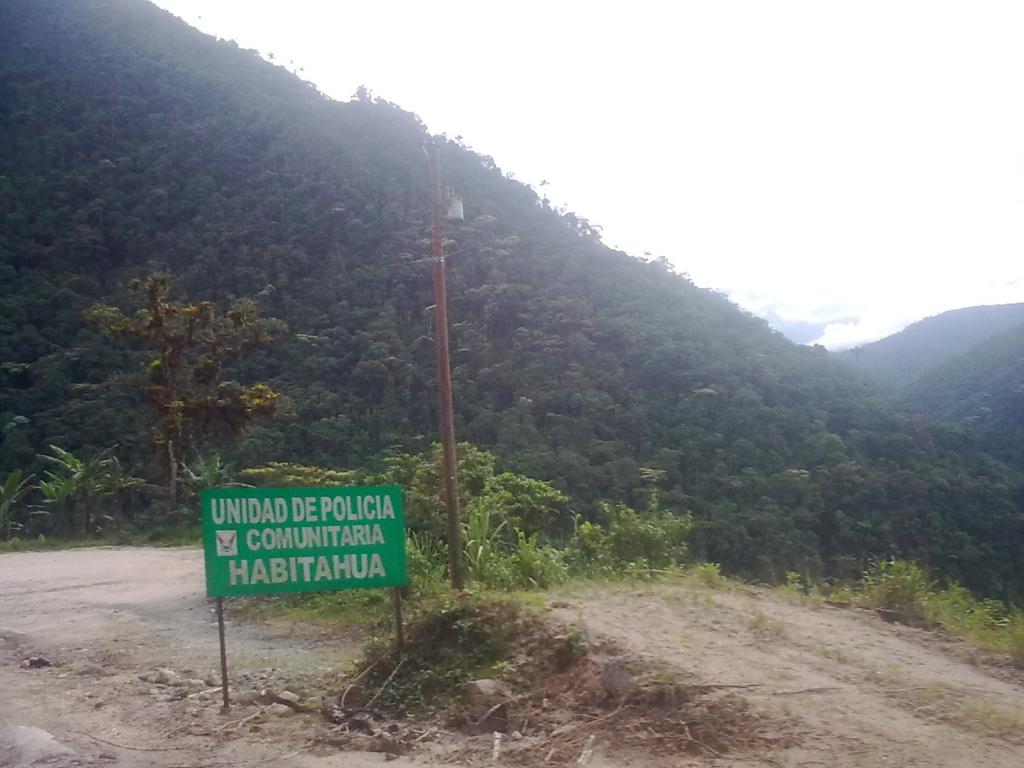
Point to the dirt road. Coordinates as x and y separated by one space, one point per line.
845 688
106 616
855 691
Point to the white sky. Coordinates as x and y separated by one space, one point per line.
857 164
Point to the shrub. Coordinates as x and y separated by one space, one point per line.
708 574
588 552
420 477
536 565
481 536
449 641
1014 633
898 586
524 503
654 537
426 558
959 612
906 589
630 543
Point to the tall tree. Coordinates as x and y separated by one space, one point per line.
188 344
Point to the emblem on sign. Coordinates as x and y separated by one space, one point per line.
264 541
227 543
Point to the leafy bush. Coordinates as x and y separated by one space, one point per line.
631 541
708 574
493 561
524 503
588 552
426 558
420 477
505 519
899 586
536 565
1014 634
655 537
959 612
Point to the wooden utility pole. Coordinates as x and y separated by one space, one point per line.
444 384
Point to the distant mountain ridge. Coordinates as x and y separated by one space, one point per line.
983 390
896 361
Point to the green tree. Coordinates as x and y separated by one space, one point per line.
524 503
188 344
420 478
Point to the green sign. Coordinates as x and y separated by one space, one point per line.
264 541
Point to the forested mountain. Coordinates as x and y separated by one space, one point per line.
130 143
983 390
964 367
898 360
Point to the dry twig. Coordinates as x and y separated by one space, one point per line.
241 721
356 679
380 690
698 742
128 746
587 724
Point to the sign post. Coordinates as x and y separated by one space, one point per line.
399 632
226 707
267 541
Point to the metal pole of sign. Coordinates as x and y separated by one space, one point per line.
223 656
399 632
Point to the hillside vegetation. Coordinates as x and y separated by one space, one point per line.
897 361
130 144
983 390
964 367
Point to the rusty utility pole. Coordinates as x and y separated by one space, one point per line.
444 383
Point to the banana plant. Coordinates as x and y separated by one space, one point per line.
13 488
74 485
210 471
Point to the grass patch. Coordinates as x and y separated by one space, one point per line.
450 640
988 719
365 608
904 592
834 653
163 536
765 626
945 703
891 675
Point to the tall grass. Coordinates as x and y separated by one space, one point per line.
907 590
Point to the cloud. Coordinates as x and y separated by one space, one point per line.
844 335
796 331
